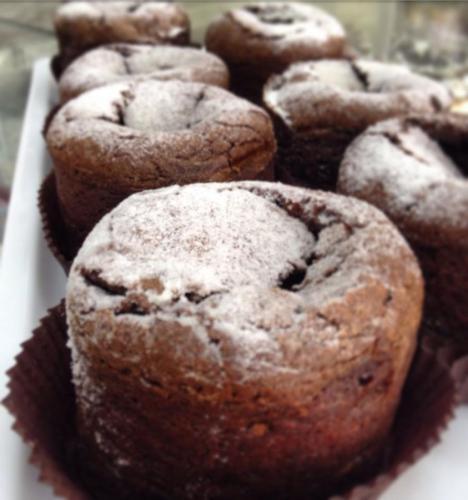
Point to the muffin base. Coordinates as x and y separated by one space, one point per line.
41 379
178 467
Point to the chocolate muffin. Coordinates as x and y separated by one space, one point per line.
239 340
320 107
115 140
260 39
122 62
415 169
81 26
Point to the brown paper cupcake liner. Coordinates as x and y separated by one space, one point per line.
53 226
41 399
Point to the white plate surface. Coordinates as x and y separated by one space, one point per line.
31 282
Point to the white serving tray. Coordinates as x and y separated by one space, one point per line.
31 281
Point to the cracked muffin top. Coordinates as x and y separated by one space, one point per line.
150 133
350 94
275 34
86 24
122 62
415 170
248 280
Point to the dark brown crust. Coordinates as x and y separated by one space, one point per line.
93 175
45 358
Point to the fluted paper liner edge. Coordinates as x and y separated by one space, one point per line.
53 227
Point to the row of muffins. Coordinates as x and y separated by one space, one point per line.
274 324
255 41
317 109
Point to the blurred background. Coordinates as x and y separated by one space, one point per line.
430 36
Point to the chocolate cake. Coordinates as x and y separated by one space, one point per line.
415 169
260 39
123 62
81 26
320 107
239 340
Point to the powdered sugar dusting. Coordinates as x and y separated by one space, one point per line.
150 106
175 106
332 72
164 59
289 21
98 103
214 253
125 62
358 92
78 9
95 10
397 167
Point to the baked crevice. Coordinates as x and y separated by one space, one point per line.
131 307
299 275
294 278
361 75
122 49
192 121
93 277
197 298
133 8
396 141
